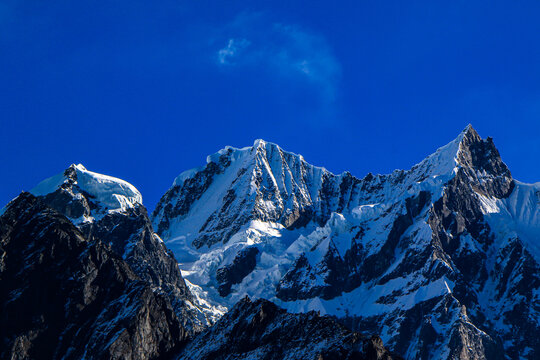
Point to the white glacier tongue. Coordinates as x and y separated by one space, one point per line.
108 193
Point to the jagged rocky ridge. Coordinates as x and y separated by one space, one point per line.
442 260
63 296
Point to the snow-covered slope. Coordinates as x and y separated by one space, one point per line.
431 258
517 216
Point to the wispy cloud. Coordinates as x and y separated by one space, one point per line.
287 50
234 46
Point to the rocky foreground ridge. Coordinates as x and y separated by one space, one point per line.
64 296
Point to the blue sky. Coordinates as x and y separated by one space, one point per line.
144 90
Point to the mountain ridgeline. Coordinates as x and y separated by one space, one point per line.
260 255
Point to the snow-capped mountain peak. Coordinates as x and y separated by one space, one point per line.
265 183
445 161
261 221
93 194
465 150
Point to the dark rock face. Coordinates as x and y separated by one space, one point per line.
234 273
296 284
64 296
480 158
65 201
130 235
261 330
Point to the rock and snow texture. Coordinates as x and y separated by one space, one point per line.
111 210
441 260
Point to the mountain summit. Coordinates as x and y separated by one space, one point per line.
90 193
418 256
264 182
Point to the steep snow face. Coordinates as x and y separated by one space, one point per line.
278 182
266 184
511 295
108 194
262 222
517 216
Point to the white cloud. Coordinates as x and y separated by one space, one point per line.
234 46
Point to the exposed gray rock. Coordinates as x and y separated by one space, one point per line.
65 297
234 273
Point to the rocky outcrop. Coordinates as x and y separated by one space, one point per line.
131 236
261 330
234 273
63 296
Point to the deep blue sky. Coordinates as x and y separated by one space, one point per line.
144 90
